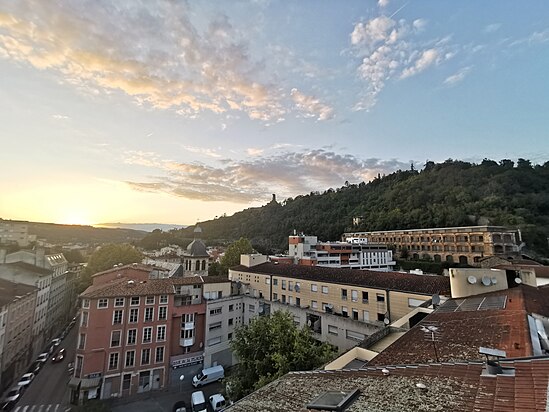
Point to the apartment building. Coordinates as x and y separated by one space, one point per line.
18 302
466 245
135 328
15 231
352 254
367 296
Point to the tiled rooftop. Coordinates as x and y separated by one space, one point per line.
461 333
448 387
426 284
136 266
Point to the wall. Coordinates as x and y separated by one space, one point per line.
400 305
461 287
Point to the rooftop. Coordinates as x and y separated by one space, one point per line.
442 387
444 229
396 281
27 267
9 291
136 266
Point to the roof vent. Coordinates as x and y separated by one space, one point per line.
333 400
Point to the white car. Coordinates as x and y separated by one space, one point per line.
14 394
56 342
25 380
43 357
218 402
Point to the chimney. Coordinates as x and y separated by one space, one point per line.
3 253
40 257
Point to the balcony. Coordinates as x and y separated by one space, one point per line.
186 300
186 342
187 326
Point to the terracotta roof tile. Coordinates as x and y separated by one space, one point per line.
426 284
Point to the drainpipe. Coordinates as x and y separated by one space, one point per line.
388 305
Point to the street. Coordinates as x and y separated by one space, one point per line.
49 387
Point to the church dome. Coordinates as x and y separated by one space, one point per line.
197 248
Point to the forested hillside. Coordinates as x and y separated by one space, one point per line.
453 193
55 233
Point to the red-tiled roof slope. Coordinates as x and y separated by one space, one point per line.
127 287
426 284
460 334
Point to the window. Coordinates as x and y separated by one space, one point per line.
344 311
159 355
343 294
188 317
115 338
231 308
130 359
86 303
355 314
117 316
291 300
162 313
314 304
102 303
365 315
275 282
251 308
132 336
380 297
84 319
275 296
149 300
113 361
364 297
381 317
134 312
134 300
230 322
332 330
126 381
355 335
267 281
163 299
298 301
149 314
215 311
146 356
324 289
326 307
229 336
118 302
214 341
354 295
283 298
214 326
314 287
187 334
283 285
290 285
147 334
161 333
297 287
82 341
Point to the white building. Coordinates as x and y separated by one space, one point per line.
13 231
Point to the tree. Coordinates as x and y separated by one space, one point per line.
271 346
232 255
106 257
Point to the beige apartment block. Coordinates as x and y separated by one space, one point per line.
466 245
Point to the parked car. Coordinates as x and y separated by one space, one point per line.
35 367
59 356
198 402
179 406
56 342
209 375
7 406
70 368
14 394
218 402
43 357
25 380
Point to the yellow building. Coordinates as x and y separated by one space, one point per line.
362 295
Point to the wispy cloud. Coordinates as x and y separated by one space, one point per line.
537 37
175 64
310 106
458 76
492 28
203 151
287 173
387 50
60 117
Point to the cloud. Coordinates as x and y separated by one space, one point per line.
457 77
382 3
492 28
202 151
387 49
287 173
176 64
537 37
310 106
60 117
254 151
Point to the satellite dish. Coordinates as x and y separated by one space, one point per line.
518 281
436 299
486 281
494 280
309 323
420 385
260 310
472 280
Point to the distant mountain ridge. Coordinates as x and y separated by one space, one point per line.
147 227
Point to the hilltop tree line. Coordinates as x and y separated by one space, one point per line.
452 193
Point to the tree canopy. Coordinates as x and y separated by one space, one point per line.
271 346
451 193
106 257
232 255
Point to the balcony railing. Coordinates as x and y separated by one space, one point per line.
187 326
186 342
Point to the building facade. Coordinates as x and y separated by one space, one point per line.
15 232
466 245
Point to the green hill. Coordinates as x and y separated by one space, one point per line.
453 193
55 233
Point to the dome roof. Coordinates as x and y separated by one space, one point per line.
197 248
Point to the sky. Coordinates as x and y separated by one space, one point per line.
179 112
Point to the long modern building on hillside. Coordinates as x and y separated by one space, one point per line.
466 245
